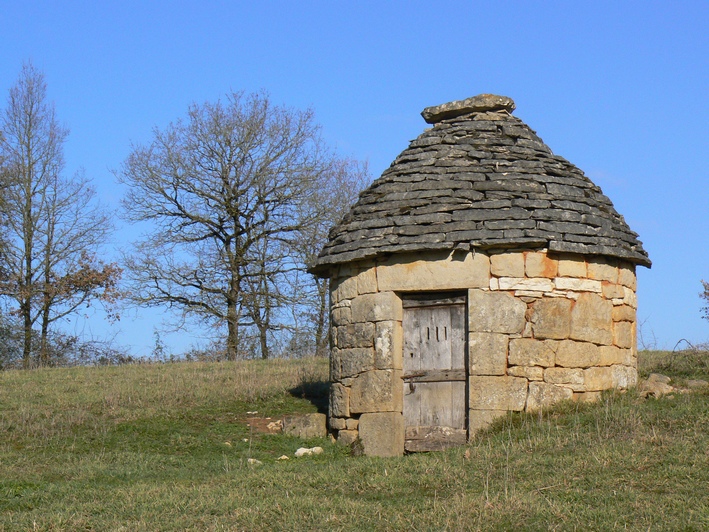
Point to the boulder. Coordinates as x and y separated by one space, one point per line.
305 426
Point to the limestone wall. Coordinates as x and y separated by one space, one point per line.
541 328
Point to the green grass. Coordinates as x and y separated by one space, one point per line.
161 447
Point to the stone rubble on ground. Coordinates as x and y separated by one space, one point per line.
275 426
303 451
656 386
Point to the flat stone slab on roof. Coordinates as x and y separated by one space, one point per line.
476 104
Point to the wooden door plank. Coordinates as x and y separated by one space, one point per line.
436 403
458 340
435 375
412 341
459 405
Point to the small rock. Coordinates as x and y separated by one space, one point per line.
254 462
697 383
275 426
303 451
656 385
659 377
283 457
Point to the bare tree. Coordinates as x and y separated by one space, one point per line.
705 296
225 191
337 192
52 229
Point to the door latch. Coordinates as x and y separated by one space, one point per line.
410 379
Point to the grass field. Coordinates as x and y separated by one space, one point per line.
166 447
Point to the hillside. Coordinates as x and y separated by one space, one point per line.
166 447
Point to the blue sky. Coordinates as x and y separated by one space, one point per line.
621 89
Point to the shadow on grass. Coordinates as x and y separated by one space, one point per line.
315 391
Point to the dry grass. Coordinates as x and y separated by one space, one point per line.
166 448
47 403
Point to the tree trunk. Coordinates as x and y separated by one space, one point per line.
232 340
263 340
44 338
26 312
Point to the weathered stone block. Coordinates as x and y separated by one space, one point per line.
528 295
587 397
356 360
339 400
305 425
497 393
434 272
388 345
382 433
551 318
612 291
377 391
335 365
597 379
488 353
352 424
572 268
341 316
624 377
624 313
343 289
538 264
538 284
532 373
630 298
507 265
567 376
482 419
337 423
572 354
543 395
623 334
611 354
602 271
577 285
495 312
367 281
532 352
626 277
355 335
376 307
347 437
591 319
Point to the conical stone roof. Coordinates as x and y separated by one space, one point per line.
480 178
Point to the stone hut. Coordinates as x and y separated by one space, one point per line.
480 274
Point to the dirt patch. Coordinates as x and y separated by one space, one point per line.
266 425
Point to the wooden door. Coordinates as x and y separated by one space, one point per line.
435 376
